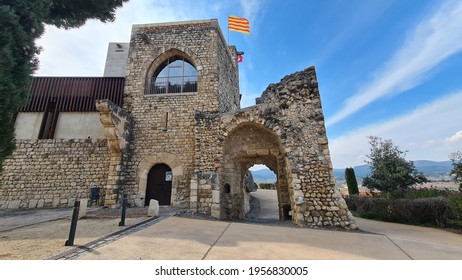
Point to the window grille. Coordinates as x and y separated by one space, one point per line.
175 75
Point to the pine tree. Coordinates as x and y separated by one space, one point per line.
22 22
351 181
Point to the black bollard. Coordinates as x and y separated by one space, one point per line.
124 210
75 217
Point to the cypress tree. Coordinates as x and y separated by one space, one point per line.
350 178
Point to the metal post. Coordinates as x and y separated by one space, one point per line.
124 210
75 217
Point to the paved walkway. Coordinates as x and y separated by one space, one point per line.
186 238
183 238
420 243
173 237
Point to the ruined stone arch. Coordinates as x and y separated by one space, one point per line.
166 53
246 144
147 163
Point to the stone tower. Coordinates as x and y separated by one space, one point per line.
173 70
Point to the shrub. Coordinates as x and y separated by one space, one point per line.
455 202
435 211
421 211
414 193
267 186
368 207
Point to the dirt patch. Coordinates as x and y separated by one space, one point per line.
44 240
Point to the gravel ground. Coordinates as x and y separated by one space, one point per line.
46 239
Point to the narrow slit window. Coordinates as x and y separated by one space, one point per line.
166 122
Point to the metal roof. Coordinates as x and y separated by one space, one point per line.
73 94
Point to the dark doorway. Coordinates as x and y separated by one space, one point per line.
159 186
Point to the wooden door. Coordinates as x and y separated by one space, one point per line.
159 185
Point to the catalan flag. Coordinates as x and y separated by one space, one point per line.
238 24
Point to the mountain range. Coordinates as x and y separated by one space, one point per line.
431 169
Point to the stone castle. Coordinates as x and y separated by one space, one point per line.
165 123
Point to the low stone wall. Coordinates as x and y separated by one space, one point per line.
267 186
53 172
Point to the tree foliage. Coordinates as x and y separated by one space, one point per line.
351 181
74 13
456 171
389 168
22 22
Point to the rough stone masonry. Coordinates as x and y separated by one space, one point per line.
190 149
286 132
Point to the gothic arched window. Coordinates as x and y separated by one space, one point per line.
175 75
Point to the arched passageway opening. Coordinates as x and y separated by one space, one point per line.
264 199
246 145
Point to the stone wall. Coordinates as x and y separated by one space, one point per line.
298 119
52 173
228 77
286 132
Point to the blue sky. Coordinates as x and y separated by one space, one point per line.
392 69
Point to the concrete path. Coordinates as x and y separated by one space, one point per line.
419 243
195 239
268 204
183 238
416 242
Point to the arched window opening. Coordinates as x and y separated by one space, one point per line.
175 75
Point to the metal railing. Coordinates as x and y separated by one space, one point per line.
173 85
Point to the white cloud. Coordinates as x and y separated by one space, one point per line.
82 51
432 42
455 138
422 132
250 9
257 167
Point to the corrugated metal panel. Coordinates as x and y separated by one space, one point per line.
73 94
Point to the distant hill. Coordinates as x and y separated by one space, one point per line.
427 167
361 171
264 176
433 168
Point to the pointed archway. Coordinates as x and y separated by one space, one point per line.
248 144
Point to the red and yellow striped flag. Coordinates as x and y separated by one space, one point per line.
238 24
